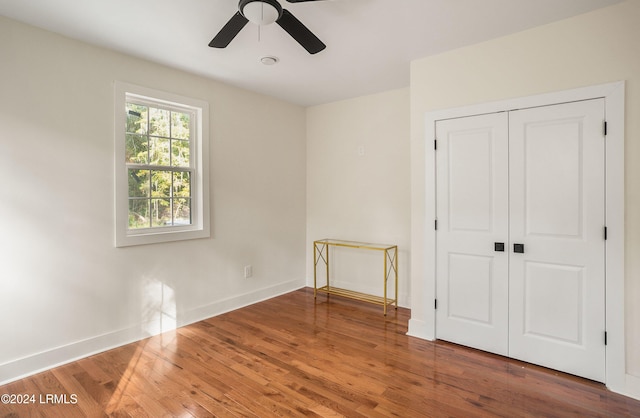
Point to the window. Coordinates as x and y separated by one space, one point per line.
161 166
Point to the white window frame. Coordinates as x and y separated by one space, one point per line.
199 227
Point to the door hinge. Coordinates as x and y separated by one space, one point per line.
435 144
435 304
605 128
605 233
436 224
605 338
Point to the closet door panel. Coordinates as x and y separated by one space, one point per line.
557 205
472 211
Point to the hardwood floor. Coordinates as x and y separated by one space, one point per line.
291 356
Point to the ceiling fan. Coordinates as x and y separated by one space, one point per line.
265 12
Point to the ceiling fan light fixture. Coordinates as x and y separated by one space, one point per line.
261 12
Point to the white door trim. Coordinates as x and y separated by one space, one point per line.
423 246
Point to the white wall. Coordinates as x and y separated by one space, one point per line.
65 290
358 178
590 49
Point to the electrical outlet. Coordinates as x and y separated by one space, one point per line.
248 271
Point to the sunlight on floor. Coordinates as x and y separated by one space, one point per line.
118 397
159 321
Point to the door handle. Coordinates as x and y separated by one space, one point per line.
518 248
498 246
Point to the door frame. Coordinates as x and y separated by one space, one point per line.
423 205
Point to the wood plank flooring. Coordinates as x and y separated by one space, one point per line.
292 356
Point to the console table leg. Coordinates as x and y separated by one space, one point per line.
386 255
315 269
395 261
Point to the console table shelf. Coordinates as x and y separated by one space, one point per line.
390 252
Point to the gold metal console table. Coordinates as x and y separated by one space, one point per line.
321 252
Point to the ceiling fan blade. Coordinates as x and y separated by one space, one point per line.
229 31
300 33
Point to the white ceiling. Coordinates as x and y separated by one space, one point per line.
370 43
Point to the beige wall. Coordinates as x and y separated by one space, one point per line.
590 49
65 290
358 180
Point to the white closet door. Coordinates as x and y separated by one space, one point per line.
557 285
472 211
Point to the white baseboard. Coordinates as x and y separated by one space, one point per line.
36 363
632 387
419 329
237 302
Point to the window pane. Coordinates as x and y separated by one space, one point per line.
161 183
158 122
181 211
136 118
159 151
180 123
139 213
180 153
181 184
137 149
138 183
160 212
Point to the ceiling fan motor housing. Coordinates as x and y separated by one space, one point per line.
265 12
260 12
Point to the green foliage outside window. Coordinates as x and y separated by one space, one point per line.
158 156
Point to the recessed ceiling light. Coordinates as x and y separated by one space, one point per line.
269 60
